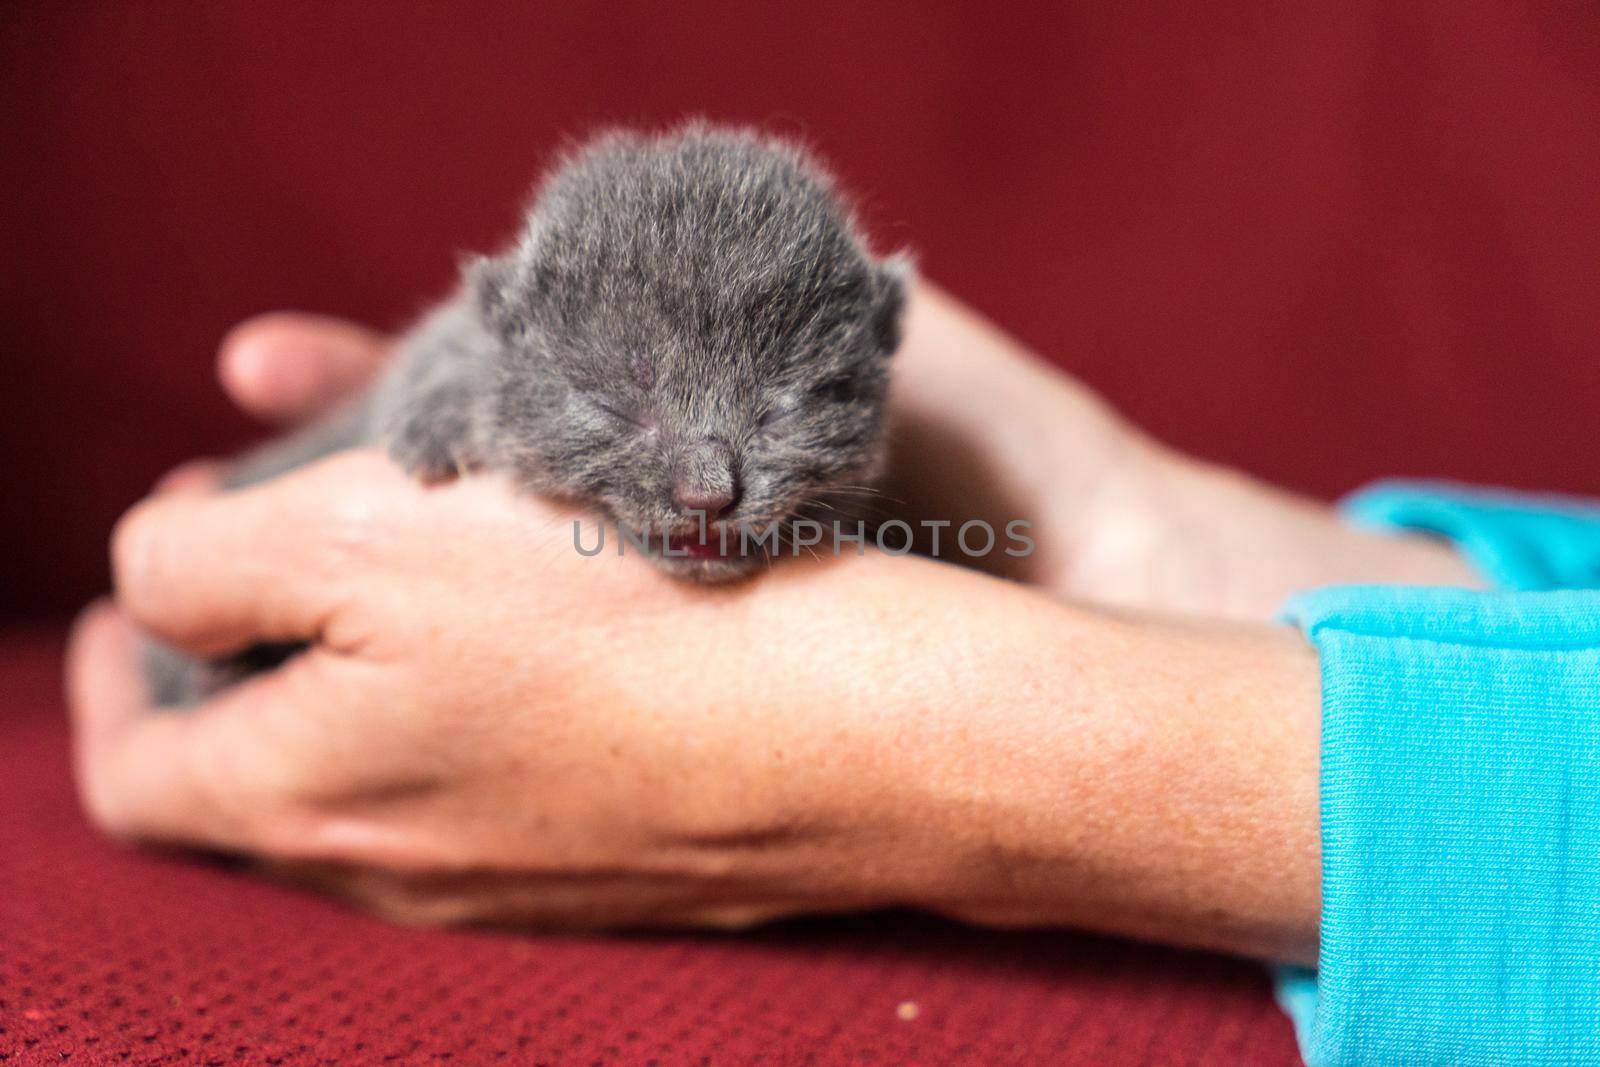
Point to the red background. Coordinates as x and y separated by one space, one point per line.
1324 245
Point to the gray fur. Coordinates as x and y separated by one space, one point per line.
686 319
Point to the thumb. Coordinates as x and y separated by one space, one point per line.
289 367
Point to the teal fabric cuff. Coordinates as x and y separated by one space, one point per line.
1451 714
1460 828
1515 540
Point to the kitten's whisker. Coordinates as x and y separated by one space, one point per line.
871 490
855 510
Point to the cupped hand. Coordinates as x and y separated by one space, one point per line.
488 725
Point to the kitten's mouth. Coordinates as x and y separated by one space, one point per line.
719 542
732 544
717 551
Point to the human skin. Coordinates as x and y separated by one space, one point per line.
489 726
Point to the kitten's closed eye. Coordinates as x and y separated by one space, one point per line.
778 414
835 390
840 390
632 418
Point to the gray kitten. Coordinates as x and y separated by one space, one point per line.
689 332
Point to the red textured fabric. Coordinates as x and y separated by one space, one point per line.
1323 241
109 955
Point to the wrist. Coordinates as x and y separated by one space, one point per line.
1180 534
1270 543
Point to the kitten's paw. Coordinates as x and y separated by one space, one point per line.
431 452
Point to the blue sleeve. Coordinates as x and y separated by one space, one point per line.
1460 797
1515 540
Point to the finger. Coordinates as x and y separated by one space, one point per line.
288 367
209 776
212 573
134 767
197 475
102 693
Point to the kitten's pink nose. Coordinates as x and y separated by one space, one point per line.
712 501
705 480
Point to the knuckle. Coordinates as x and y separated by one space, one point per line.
348 540
137 555
340 543
353 523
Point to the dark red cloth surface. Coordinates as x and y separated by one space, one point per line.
108 955
1324 242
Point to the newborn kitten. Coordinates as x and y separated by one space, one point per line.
689 334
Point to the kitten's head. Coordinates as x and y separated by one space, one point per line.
692 324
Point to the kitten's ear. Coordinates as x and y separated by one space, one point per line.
489 282
890 277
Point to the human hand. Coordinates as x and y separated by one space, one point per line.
488 726
983 429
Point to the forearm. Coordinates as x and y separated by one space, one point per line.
1006 758
1161 783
